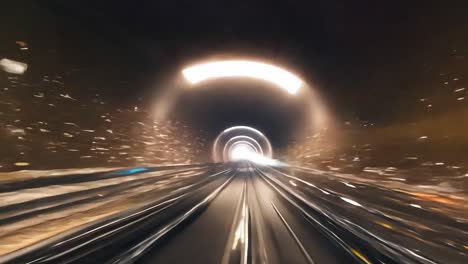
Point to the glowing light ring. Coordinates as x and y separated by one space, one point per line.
240 143
245 128
243 68
253 130
228 151
230 136
254 147
242 151
234 140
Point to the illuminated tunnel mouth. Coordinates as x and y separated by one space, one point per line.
213 94
244 140
242 151
242 143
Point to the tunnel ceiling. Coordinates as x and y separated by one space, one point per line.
351 48
224 103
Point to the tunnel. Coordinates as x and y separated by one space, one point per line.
216 95
233 132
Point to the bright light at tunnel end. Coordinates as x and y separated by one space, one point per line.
243 68
245 152
242 152
259 159
243 143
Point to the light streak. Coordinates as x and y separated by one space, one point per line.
243 68
12 66
350 201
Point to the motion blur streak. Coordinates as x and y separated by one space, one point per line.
12 66
182 214
243 68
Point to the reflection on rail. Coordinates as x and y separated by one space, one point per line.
221 213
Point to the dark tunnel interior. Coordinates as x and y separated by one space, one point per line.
259 131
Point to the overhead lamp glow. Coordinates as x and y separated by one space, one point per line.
243 68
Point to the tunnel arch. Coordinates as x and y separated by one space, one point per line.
242 151
244 139
314 115
249 136
175 87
